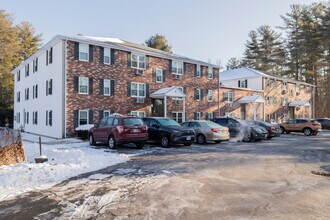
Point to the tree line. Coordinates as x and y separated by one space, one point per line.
303 53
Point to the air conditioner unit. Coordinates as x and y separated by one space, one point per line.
139 100
229 104
139 71
176 76
297 93
284 91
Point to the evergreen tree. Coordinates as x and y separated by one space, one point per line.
234 63
158 42
252 51
28 40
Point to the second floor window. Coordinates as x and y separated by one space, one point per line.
35 118
27 91
229 97
210 73
284 101
83 85
177 68
198 71
83 52
27 70
106 56
267 100
106 87
138 90
285 86
35 91
49 87
18 96
138 61
18 75
210 95
159 75
198 95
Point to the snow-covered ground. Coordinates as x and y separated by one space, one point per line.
66 158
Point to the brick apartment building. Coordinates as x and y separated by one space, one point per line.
283 98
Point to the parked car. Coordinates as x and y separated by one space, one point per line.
307 126
118 129
207 131
273 130
325 123
168 132
241 129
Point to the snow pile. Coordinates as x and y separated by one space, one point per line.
84 127
66 158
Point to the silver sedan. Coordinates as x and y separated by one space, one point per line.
208 131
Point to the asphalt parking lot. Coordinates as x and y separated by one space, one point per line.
271 179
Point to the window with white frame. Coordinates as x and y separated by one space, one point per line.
106 113
138 61
210 115
106 56
138 90
308 89
106 87
210 95
284 86
159 75
275 100
243 84
49 118
199 71
35 118
298 88
198 116
268 82
83 117
18 75
284 101
229 97
210 73
291 93
83 52
139 114
198 94
229 114
83 85
177 67
267 100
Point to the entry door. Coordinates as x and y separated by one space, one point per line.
291 112
158 108
243 111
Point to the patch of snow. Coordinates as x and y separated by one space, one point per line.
124 171
84 127
65 160
103 39
166 172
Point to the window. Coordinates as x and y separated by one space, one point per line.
83 117
106 87
35 65
275 100
284 101
106 56
210 73
83 85
285 117
83 52
18 117
159 75
138 61
285 86
243 84
199 71
106 113
298 88
229 97
50 56
35 91
229 114
27 70
291 93
49 118
177 68
197 116
267 100
35 118
27 91
18 75
27 117
178 98
138 90
177 116
308 89
210 95
198 95
49 87
140 114
268 117
18 96
210 115
268 83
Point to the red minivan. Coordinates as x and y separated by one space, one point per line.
119 129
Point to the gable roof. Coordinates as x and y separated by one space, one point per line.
118 44
168 92
246 72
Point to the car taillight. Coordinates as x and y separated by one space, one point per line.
214 130
120 129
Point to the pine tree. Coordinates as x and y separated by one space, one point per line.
28 40
234 63
252 51
158 42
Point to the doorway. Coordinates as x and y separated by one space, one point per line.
243 111
158 108
291 113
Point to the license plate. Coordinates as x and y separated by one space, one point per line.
188 138
135 130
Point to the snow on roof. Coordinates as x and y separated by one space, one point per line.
251 98
299 103
169 92
103 39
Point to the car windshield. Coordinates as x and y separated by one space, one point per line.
168 122
251 122
132 121
211 124
241 121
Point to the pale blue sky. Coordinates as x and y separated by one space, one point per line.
200 29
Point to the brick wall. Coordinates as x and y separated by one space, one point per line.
122 74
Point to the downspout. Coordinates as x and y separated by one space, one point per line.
313 105
219 93
64 88
263 104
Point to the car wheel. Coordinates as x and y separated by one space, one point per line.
217 142
112 143
201 139
247 138
187 144
282 130
165 141
91 140
139 145
269 137
307 131
288 132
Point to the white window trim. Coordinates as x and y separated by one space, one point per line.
177 69
284 86
210 115
79 116
232 95
137 96
106 80
177 116
87 45
138 61
87 85
162 75
198 115
199 95
136 113
106 55
268 100
208 72
242 83
199 72
212 97
106 111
